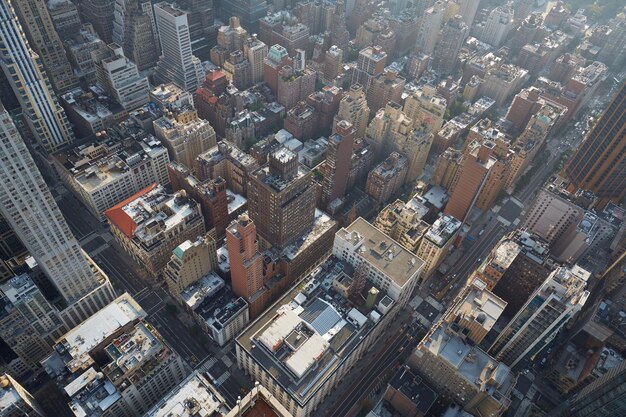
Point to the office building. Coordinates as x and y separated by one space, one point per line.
458 369
333 63
255 52
370 63
495 29
599 163
177 63
30 209
389 129
91 113
30 83
195 396
294 85
151 224
43 38
338 158
447 49
114 363
293 348
353 108
468 11
218 204
229 162
65 18
546 311
190 261
302 121
17 401
119 163
120 78
385 179
248 12
425 107
231 37
277 57
437 242
134 29
281 200
237 70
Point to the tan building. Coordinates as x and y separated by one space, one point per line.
384 88
185 140
460 370
255 52
425 107
294 85
370 63
388 127
353 108
281 199
116 360
403 222
386 178
446 169
151 223
16 401
437 242
190 261
476 309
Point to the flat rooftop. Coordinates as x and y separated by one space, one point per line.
310 331
442 230
481 305
382 251
414 388
194 397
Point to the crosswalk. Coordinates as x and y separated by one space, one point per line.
207 365
219 381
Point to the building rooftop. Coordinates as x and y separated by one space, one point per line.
414 389
391 166
220 308
91 106
322 223
111 155
476 366
227 150
194 397
152 213
206 287
310 331
442 230
480 305
382 252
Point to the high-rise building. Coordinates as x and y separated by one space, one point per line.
237 70
17 401
353 108
100 14
605 396
430 25
386 178
370 63
547 310
27 204
277 57
384 88
120 78
333 61
449 45
44 40
281 200
177 63
65 17
190 261
497 26
425 107
151 224
403 222
339 35
338 157
246 262
599 164
437 243
294 85
468 11
134 29
114 359
255 51
24 70
202 28
248 11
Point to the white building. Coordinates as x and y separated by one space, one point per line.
122 162
31 85
547 310
119 77
389 266
114 364
497 26
177 63
31 211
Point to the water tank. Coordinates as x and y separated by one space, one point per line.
372 295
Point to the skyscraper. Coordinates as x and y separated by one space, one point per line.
100 14
353 108
599 164
246 262
25 72
44 39
255 52
134 29
449 45
547 310
177 63
338 157
30 209
281 200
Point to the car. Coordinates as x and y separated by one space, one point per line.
479 260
